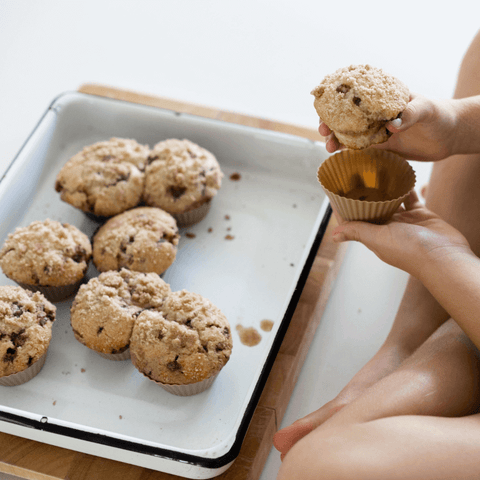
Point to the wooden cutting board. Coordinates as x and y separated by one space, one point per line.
37 461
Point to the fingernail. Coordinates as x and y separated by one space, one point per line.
397 123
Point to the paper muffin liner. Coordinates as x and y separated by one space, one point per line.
54 294
116 356
190 389
380 179
25 375
191 217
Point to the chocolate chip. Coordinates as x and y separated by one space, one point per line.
47 269
226 332
174 366
357 101
343 88
30 360
79 255
176 191
193 155
58 186
151 159
10 355
219 347
17 310
99 331
107 158
235 177
190 235
188 323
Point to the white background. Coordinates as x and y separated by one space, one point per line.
255 57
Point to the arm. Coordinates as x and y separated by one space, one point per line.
429 129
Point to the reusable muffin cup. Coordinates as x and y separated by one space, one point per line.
367 185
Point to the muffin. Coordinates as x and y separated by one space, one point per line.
49 257
105 178
181 178
26 320
356 103
183 345
143 239
105 309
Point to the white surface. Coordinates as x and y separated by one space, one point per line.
256 57
274 213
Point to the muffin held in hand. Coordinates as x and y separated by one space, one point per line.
105 309
356 102
25 332
48 256
183 345
143 239
182 178
105 178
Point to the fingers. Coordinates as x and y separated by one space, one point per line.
412 201
323 130
417 110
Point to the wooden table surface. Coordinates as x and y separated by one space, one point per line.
37 461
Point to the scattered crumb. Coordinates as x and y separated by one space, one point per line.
229 237
359 310
248 336
229 228
54 403
266 325
190 235
83 370
227 217
210 230
120 417
294 205
292 264
235 176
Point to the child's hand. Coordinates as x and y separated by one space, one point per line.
425 131
414 236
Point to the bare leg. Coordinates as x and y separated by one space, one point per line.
453 194
399 428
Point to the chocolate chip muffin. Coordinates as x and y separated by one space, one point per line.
49 256
26 320
182 178
143 239
104 310
105 178
183 345
356 102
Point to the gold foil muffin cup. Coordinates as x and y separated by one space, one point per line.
25 375
367 185
191 217
190 389
116 356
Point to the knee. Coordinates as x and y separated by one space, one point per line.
331 454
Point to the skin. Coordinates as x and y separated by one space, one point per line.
410 412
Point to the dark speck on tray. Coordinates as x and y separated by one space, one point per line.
229 237
190 235
235 177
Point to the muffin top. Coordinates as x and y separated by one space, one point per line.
144 239
186 341
180 176
25 328
105 309
47 253
105 178
359 100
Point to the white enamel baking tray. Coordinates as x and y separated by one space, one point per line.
277 215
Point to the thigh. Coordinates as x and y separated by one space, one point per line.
396 448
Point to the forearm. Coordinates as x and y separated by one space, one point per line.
454 280
467 125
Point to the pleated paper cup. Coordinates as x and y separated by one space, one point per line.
54 294
189 389
191 217
25 375
117 357
367 185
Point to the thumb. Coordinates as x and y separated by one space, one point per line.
361 232
416 111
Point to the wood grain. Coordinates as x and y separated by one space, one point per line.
36 461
